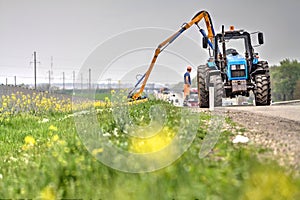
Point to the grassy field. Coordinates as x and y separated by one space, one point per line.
42 157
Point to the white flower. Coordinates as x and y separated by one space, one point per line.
1 176
45 120
13 159
106 134
116 132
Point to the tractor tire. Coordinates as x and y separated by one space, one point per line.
201 83
263 90
264 65
218 89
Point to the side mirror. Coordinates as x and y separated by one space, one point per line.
205 42
260 38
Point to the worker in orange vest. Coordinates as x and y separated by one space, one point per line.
187 85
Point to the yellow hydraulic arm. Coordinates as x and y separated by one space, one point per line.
198 17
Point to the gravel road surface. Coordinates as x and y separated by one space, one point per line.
274 127
290 112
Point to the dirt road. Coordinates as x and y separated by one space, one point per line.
274 127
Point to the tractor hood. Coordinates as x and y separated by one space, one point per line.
236 59
237 67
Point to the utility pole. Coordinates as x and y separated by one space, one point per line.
81 80
74 80
63 80
51 66
51 71
34 62
15 80
6 81
108 84
49 79
90 78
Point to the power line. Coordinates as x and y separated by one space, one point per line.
34 60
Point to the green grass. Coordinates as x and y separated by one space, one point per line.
96 96
61 167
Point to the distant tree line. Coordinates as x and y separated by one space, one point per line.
285 80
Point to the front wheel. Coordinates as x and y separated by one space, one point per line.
203 92
218 89
201 83
263 90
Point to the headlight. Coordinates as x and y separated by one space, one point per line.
233 67
242 66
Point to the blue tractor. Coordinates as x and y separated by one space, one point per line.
233 69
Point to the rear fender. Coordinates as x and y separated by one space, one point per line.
259 70
261 67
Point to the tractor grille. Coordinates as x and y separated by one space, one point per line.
238 73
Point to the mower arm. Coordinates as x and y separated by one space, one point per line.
198 17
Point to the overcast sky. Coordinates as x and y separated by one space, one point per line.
71 30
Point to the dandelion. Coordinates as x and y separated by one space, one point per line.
106 99
52 128
55 138
67 150
29 143
55 154
29 140
79 159
13 97
154 143
97 151
49 144
62 142
4 105
48 193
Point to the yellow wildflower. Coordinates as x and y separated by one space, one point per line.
4 105
48 193
55 138
62 142
154 143
52 128
96 151
29 140
13 97
106 99
67 150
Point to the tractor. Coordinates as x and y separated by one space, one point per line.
233 69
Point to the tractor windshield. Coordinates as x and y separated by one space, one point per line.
235 46
236 42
